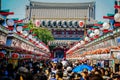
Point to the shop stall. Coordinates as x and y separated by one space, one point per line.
3 38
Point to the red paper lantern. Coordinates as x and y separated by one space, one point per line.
37 23
2 55
15 55
81 23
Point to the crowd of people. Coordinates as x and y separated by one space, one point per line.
53 70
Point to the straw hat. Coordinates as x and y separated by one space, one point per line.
23 69
65 76
77 76
69 68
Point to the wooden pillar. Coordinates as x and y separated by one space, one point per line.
52 55
65 50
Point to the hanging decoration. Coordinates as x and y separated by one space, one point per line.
48 23
59 23
70 23
64 24
37 23
75 23
2 55
19 29
91 35
43 23
6 12
106 27
54 23
109 16
89 31
97 33
10 24
82 42
15 55
25 33
30 37
81 23
87 39
117 17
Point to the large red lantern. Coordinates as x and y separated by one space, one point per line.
15 55
2 55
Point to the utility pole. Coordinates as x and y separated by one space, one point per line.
30 9
0 4
85 21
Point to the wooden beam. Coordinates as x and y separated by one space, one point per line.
81 18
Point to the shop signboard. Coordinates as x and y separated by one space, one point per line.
20 44
115 54
106 63
118 40
103 44
3 38
94 61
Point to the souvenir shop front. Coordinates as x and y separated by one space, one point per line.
115 51
3 38
98 51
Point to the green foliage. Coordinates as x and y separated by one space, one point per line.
51 47
43 34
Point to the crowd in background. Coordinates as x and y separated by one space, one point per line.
53 70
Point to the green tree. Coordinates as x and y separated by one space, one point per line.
43 34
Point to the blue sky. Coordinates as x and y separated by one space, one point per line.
18 6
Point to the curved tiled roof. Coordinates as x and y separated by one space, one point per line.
62 5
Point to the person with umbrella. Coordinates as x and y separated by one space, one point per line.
82 67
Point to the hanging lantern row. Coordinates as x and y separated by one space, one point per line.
10 24
15 55
13 25
105 27
92 33
78 45
55 23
